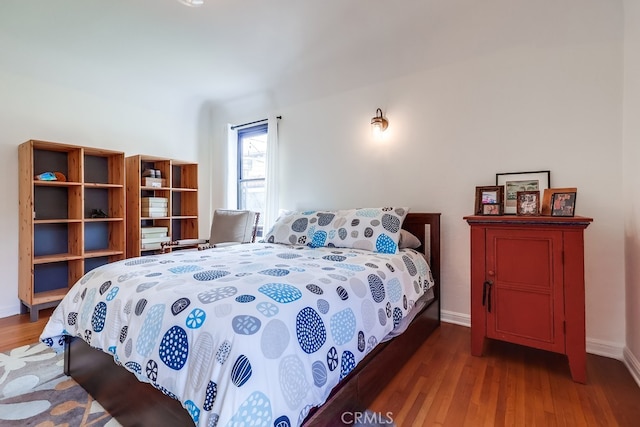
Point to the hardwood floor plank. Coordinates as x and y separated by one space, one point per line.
473 381
446 395
491 402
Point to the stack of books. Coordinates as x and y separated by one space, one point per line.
152 237
154 207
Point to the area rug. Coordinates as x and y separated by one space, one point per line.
34 391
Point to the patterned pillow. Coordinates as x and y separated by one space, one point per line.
374 229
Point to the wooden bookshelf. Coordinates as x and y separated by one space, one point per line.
179 187
59 241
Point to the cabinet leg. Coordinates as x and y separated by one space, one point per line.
578 366
477 343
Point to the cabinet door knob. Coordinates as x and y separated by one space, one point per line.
491 273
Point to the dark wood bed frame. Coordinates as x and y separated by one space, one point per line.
134 403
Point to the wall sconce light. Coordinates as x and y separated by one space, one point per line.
192 3
378 124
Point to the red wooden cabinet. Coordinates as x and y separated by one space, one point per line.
527 284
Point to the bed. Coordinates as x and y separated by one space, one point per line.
347 366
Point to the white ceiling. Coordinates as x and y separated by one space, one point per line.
160 52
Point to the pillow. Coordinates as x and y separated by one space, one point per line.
374 229
408 240
232 226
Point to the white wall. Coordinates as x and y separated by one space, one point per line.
497 86
32 109
631 136
515 91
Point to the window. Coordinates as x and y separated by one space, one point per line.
252 159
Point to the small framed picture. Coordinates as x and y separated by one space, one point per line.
492 209
547 196
490 195
528 203
563 204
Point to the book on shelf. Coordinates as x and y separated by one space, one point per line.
153 235
162 214
147 201
154 209
155 205
145 240
150 246
154 212
154 229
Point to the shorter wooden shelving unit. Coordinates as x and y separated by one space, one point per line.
179 185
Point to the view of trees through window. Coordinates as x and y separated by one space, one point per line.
252 157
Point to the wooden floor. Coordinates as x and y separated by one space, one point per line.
511 385
443 385
19 330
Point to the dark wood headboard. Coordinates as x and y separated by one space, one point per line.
426 227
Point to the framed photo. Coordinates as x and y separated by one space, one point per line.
563 204
492 209
528 203
490 195
547 196
521 181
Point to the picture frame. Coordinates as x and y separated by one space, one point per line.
489 195
521 181
528 203
547 196
563 203
492 209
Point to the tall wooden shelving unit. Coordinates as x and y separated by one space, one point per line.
59 241
181 190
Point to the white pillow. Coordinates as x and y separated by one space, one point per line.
408 240
374 229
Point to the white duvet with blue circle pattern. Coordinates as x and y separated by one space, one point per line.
253 334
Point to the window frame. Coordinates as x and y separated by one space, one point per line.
261 129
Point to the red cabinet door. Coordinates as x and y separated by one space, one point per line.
524 287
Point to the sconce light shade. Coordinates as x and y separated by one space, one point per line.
379 123
192 3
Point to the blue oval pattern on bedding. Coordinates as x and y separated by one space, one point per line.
267 329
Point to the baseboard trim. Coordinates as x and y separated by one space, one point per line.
594 346
455 318
632 364
605 348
